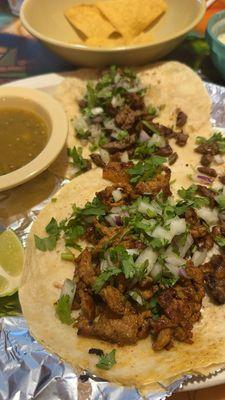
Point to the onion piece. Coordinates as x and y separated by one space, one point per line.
183 249
177 226
147 255
125 157
144 137
97 110
117 195
173 269
199 257
114 220
157 140
218 159
208 215
173 259
68 289
104 265
104 156
156 270
205 179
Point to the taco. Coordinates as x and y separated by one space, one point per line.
124 276
165 89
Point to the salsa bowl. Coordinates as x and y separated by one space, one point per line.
52 114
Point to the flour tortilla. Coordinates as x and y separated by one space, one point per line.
136 365
172 85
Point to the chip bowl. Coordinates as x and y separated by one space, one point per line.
45 20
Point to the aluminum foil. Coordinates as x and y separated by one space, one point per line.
27 370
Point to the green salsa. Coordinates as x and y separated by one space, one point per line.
23 135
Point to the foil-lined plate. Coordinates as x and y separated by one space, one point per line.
27 370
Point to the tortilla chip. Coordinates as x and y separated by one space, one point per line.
131 17
144 37
89 20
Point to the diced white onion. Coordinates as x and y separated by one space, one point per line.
117 101
173 269
173 259
117 195
114 219
147 255
109 124
132 252
161 233
104 265
144 137
177 226
125 157
199 257
208 215
68 289
97 110
144 208
218 159
104 156
156 270
158 140
189 241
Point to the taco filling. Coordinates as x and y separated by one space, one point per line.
116 121
143 271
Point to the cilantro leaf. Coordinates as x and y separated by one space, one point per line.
106 361
44 244
191 199
125 261
104 277
94 208
78 161
220 199
145 170
52 228
63 310
220 240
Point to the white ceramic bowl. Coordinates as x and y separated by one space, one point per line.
45 20
54 116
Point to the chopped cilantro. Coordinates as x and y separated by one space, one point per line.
63 310
220 199
53 199
154 307
152 111
190 199
143 150
145 170
44 244
124 260
151 127
120 135
78 161
220 240
52 228
104 277
217 137
107 360
94 208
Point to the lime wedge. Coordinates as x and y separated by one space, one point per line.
11 263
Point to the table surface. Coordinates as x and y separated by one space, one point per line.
21 56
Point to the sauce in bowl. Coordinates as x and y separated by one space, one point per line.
23 135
